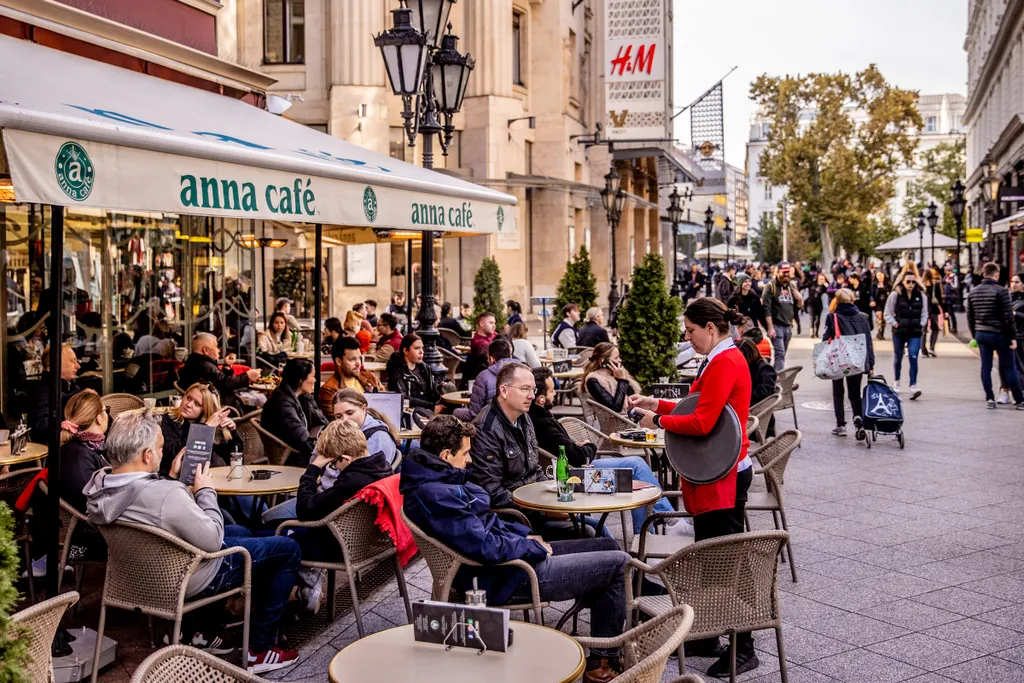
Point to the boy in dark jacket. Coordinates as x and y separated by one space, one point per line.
443 503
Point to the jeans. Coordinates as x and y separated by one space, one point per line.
641 472
853 385
815 322
933 323
592 570
280 513
987 343
275 561
559 529
783 333
913 345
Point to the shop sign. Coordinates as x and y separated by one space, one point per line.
975 235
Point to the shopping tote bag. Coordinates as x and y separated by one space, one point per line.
840 357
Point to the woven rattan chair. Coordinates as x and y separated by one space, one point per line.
40 622
608 420
774 456
253 452
454 338
119 403
277 451
70 520
763 411
179 663
452 362
645 649
730 581
444 564
584 355
11 486
148 571
787 387
578 430
752 425
362 544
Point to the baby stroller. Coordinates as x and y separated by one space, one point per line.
883 412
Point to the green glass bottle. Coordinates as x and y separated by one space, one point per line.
562 467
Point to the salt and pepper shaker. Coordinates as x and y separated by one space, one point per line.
476 596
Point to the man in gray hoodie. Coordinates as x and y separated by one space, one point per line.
130 490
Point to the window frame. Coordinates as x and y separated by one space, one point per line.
517 49
287 34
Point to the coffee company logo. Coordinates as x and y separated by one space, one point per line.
74 170
501 217
370 204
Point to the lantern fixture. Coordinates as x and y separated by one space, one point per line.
933 217
429 17
404 50
958 203
675 210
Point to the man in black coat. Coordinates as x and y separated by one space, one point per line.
990 318
38 408
201 365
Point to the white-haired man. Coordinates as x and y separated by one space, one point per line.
202 366
130 490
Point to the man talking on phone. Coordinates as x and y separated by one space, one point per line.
131 490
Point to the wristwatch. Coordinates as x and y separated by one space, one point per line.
657 421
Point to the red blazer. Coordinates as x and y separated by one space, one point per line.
726 379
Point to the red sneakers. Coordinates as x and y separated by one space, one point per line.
274 658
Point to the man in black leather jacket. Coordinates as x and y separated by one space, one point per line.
201 366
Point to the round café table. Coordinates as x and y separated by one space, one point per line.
265 388
462 348
537 653
666 475
459 398
286 481
34 452
409 434
551 361
575 373
374 366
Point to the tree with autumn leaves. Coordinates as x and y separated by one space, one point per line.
836 142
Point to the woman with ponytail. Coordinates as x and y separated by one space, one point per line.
82 445
717 508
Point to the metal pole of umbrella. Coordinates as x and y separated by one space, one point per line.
318 298
56 332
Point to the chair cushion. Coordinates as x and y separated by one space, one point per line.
758 500
659 546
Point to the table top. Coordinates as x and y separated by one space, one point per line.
374 366
268 388
33 451
459 398
462 348
537 496
659 441
572 374
307 355
285 482
537 653
408 434
551 361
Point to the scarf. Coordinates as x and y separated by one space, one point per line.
92 441
607 381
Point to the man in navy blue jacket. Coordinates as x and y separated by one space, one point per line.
440 499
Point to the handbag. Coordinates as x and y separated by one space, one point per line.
943 322
841 356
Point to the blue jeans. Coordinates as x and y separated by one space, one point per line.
275 561
913 346
987 343
641 472
591 569
280 513
783 335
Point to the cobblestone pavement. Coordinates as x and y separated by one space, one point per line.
909 561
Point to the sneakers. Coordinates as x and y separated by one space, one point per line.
215 645
1019 406
990 404
915 393
1004 397
681 527
858 428
312 596
744 663
272 659
896 386
839 431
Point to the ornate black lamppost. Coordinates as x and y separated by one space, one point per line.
920 234
675 216
426 70
727 231
957 206
709 225
613 197
933 218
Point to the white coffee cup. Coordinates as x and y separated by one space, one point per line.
5 434
150 403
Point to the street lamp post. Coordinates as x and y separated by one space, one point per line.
933 218
920 235
957 207
727 230
675 215
709 225
613 197
426 69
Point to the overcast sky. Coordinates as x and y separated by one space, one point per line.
917 44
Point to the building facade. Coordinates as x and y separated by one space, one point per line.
526 127
995 138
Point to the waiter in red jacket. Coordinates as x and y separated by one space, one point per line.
717 508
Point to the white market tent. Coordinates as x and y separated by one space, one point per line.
78 132
718 251
912 242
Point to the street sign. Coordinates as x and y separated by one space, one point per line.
975 235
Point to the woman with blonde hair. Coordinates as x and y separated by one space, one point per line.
605 380
522 349
906 313
850 320
199 404
381 435
82 445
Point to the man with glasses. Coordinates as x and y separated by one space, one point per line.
505 449
907 314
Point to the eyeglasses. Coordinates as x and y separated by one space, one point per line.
531 390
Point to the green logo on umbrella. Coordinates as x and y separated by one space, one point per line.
370 204
74 170
501 217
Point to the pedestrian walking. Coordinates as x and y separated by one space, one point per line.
991 321
1017 299
880 291
725 287
952 302
850 320
817 302
931 283
907 314
747 302
781 302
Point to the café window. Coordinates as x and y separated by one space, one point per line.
284 31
